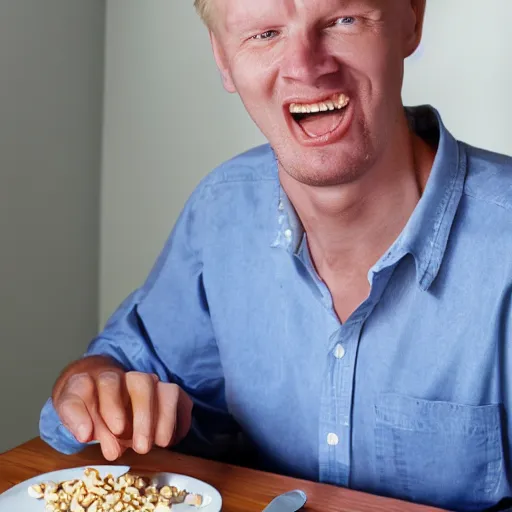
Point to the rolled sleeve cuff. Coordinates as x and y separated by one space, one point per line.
55 434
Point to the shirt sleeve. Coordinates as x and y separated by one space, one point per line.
164 327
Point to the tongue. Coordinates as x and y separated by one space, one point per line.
321 124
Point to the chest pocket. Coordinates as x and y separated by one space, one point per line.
439 453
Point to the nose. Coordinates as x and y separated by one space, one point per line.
306 60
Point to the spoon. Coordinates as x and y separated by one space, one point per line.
287 502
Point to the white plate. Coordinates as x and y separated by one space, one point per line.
17 498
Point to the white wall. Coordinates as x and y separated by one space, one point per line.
51 61
464 68
168 121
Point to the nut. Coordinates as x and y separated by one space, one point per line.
36 491
128 493
70 486
93 507
141 483
193 499
166 492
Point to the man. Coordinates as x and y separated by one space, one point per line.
340 296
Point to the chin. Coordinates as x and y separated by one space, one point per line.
325 171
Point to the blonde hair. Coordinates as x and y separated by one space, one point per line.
203 7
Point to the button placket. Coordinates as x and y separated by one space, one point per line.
337 406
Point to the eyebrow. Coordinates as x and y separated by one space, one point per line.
234 22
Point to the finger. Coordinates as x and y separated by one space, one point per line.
75 417
175 415
110 445
80 393
184 416
112 403
141 388
72 407
167 398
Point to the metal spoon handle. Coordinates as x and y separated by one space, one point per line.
287 502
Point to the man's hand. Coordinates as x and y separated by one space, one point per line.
97 400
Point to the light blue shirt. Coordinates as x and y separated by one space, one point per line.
411 397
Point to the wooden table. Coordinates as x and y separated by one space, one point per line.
242 490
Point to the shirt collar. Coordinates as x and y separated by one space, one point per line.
425 235
290 232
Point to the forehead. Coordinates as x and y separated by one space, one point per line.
233 13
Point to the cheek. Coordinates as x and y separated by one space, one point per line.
255 88
369 60
254 75
389 66
383 75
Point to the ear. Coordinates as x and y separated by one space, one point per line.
414 25
220 59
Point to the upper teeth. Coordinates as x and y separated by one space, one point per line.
338 102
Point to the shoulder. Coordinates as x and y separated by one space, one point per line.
489 177
240 188
231 195
244 171
256 164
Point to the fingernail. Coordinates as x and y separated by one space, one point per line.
141 444
111 452
83 433
118 426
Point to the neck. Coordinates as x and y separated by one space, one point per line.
350 226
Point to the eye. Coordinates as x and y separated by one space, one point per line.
345 20
269 34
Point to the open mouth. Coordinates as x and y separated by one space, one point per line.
320 119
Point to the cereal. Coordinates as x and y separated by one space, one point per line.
128 493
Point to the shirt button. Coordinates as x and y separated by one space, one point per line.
332 439
288 234
339 351
281 206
